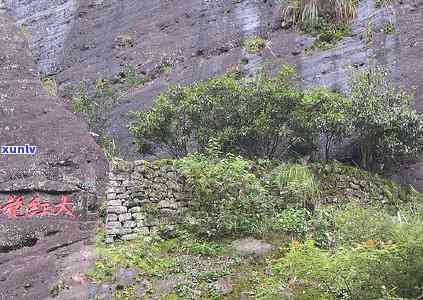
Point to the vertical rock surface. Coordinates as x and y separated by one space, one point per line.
196 39
66 153
68 162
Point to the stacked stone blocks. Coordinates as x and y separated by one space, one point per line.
143 197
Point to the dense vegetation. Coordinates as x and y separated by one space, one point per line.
271 118
249 150
339 232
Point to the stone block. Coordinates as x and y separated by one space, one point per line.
127 183
110 190
138 216
168 204
153 229
142 230
151 222
113 225
109 239
116 209
128 237
123 231
154 199
114 203
111 196
115 183
111 218
140 222
140 163
113 231
117 177
169 212
124 195
135 209
129 224
119 190
121 166
125 217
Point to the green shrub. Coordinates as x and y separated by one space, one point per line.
322 227
388 128
257 118
228 198
271 118
372 271
356 224
330 116
296 184
95 107
293 222
311 273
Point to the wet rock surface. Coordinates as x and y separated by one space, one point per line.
66 152
36 255
34 252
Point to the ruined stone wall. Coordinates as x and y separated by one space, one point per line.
142 198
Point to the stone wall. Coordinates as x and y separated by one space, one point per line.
142 198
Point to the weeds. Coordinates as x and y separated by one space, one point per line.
50 86
255 44
312 14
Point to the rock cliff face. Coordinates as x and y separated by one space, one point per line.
196 39
168 41
68 163
66 153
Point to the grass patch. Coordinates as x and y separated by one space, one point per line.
255 44
389 28
328 36
50 86
383 3
309 15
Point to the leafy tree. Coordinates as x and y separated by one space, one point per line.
255 118
329 114
387 126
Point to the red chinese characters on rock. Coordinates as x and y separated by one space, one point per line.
14 207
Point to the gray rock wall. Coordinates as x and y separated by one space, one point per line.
46 24
68 161
142 198
78 40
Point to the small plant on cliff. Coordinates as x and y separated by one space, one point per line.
50 86
382 3
312 14
255 44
